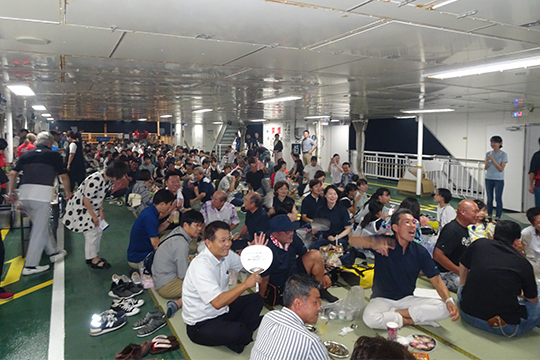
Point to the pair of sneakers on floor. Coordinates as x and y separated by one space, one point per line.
123 287
57 256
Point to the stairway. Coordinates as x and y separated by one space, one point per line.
227 138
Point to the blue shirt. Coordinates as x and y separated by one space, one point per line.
396 274
144 228
257 221
205 186
338 216
492 173
284 261
308 144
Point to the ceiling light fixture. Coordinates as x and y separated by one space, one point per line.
426 111
217 123
50 119
32 40
258 120
280 99
487 68
334 120
317 117
142 119
21 90
46 115
39 107
202 111
441 4
165 116
405 117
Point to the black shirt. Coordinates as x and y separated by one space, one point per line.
535 167
40 166
255 178
338 216
279 146
310 206
396 274
257 221
284 261
498 274
276 203
453 242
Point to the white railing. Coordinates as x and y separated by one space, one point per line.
463 177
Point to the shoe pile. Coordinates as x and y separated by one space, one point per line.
123 287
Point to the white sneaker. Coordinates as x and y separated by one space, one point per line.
57 256
34 269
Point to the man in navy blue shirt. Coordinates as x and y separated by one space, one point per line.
396 271
312 201
143 238
292 257
204 189
256 221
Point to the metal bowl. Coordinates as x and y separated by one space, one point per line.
336 350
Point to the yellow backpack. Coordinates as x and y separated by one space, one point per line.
358 275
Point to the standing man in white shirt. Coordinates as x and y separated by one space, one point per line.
530 236
283 334
445 211
308 146
215 315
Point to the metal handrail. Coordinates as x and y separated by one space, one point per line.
463 177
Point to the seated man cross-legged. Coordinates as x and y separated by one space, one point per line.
171 259
290 256
215 315
499 292
398 261
282 334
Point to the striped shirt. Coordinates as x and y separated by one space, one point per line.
282 335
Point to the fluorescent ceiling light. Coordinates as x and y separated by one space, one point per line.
334 120
280 99
39 107
487 68
317 117
405 117
426 111
441 4
217 123
142 119
165 116
50 119
46 115
21 90
202 111
257 120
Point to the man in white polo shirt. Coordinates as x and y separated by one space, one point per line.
215 315
219 209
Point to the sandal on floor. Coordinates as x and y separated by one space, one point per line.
163 343
101 264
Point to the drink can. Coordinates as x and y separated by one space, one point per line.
392 329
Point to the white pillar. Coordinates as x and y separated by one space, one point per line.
9 116
420 149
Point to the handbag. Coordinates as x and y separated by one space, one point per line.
358 275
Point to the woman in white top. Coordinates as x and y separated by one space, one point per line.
445 211
335 169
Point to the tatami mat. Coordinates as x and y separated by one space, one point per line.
454 340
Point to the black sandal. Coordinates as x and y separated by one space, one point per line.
101 264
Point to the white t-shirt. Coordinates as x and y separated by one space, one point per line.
72 148
206 278
311 170
336 174
531 240
445 215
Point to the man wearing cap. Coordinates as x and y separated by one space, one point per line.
290 257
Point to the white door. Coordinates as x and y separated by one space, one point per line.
514 145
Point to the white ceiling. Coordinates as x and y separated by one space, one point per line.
125 59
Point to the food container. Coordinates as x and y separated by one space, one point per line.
336 350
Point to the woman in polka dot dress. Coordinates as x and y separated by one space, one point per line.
85 209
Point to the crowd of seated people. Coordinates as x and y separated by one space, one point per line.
188 201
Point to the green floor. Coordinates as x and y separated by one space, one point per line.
25 320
